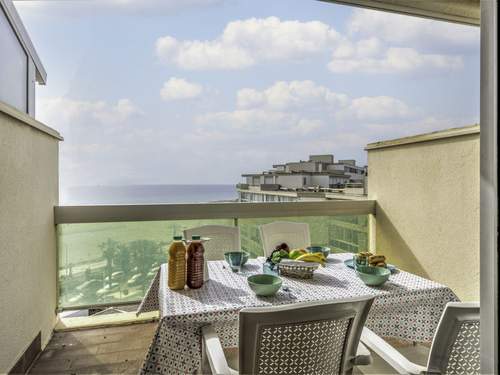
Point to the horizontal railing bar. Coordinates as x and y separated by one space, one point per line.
103 305
197 211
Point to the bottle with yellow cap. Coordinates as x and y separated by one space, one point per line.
177 264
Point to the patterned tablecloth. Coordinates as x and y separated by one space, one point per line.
406 307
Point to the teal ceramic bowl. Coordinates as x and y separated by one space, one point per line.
319 249
373 276
234 257
264 285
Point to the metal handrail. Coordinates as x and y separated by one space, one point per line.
198 211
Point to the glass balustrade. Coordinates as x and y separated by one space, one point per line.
113 263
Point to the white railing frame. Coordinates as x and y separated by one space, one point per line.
198 211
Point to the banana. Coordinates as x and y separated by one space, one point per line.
312 257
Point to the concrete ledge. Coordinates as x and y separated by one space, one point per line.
100 321
426 137
29 121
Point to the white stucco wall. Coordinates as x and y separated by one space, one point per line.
28 194
427 215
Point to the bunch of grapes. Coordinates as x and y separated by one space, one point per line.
280 252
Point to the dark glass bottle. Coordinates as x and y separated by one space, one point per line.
195 263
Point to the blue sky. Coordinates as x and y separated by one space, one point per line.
201 91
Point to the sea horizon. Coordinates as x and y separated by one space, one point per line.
147 194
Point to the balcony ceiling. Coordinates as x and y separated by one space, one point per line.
460 11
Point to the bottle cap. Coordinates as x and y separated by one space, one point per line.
177 238
196 238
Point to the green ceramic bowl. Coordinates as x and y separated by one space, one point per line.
373 276
319 249
236 256
264 285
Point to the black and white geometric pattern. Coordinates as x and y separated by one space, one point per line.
304 348
465 355
406 307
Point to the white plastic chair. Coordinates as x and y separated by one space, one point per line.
454 350
295 235
222 239
302 338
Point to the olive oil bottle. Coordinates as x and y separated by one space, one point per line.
177 264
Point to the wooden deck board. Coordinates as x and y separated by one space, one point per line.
114 350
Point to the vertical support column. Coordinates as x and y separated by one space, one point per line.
489 189
372 233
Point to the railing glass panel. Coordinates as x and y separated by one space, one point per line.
108 255
109 263
340 233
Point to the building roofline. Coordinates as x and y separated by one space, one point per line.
22 35
425 137
283 173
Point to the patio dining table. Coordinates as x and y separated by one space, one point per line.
406 307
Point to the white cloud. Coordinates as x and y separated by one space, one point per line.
299 108
307 97
399 29
178 89
368 56
257 122
376 108
287 95
62 112
245 43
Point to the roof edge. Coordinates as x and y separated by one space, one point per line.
29 121
425 137
17 25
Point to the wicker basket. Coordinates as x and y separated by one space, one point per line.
300 270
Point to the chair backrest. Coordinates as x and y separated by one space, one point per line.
302 338
455 348
222 239
295 235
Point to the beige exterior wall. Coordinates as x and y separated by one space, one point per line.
28 193
427 215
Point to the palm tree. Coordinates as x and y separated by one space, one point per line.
144 254
108 251
122 258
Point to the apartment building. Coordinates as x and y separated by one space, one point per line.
319 177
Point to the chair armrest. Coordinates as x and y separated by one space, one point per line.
363 356
213 349
389 354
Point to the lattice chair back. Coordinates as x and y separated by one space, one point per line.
455 348
295 235
302 338
222 239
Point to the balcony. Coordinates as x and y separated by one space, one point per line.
59 261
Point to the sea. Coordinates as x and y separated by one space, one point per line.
147 194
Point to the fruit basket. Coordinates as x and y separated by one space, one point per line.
297 269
